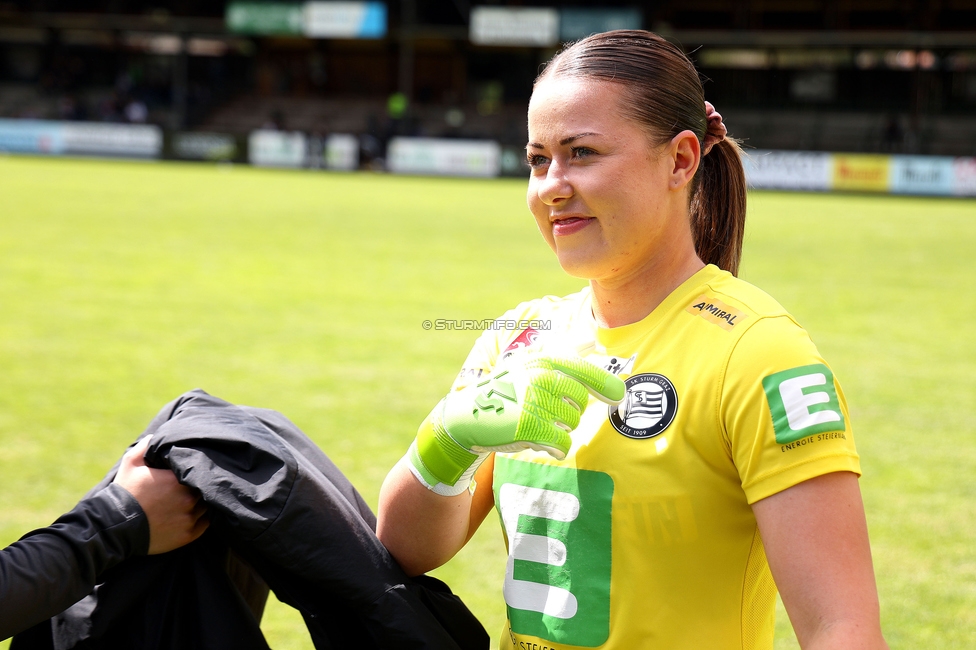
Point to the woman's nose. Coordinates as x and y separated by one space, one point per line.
555 187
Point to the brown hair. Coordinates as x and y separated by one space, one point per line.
664 94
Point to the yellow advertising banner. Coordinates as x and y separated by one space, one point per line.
861 173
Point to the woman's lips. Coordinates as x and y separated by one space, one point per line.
569 225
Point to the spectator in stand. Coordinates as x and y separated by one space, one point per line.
136 112
893 135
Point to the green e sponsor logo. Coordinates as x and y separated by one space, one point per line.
803 402
557 520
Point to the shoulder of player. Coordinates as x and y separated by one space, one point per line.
744 296
770 344
762 330
725 309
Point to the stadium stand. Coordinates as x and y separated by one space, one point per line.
861 75
358 115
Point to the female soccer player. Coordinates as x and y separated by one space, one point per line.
723 467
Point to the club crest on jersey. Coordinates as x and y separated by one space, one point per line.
648 409
523 340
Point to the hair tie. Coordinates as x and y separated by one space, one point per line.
715 130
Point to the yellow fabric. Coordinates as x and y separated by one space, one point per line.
684 561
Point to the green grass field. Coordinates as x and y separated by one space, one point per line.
124 284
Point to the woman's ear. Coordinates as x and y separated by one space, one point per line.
685 151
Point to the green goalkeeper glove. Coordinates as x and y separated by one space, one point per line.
532 405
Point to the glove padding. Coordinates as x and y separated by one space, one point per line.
530 405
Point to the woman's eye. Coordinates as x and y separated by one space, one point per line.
534 161
581 152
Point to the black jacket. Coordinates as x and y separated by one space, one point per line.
284 507
51 568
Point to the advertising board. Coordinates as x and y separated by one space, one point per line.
276 148
577 23
788 170
31 136
264 18
204 146
344 19
964 177
85 138
342 152
921 175
861 172
443 157
532 26
128 140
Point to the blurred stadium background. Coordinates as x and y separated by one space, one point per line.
875 76
122 285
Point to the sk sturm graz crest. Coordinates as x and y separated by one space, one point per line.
648 409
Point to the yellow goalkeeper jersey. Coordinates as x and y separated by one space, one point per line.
643 536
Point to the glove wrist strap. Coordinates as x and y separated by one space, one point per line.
438 461
464 483
441 454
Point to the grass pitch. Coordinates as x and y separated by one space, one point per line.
123 284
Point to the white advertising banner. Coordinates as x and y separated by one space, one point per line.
129 140
276 149
533 26
964 177
86 138
788 170
344 19
443 157
342 152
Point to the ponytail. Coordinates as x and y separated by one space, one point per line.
718 206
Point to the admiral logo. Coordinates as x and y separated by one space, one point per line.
523 340
716 312
648 408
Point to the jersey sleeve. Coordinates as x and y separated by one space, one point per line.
783 411
480 360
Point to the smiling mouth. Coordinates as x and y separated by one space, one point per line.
569 225
568 219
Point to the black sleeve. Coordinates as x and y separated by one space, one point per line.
51 568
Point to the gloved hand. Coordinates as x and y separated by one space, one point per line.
529 404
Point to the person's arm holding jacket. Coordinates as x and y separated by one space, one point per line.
144 510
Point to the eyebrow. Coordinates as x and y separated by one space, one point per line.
564 141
